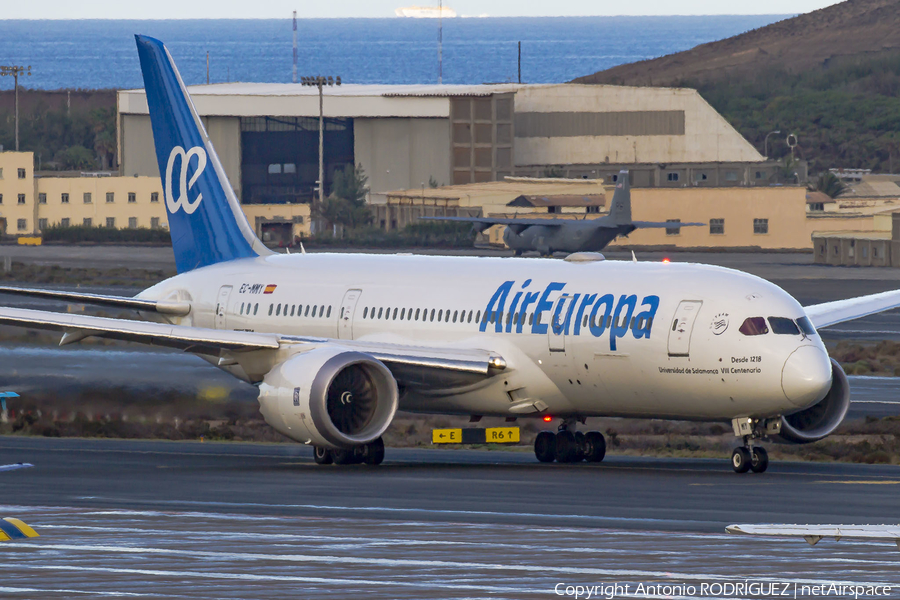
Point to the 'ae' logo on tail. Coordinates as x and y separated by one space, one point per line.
184 186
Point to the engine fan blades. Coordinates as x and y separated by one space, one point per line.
352 399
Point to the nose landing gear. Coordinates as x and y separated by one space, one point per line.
751 457
567 446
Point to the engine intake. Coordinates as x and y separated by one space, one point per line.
330 397
821 419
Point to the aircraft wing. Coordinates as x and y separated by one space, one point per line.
831 313
402 357
666 225
15 466
490 221
813 533
163 306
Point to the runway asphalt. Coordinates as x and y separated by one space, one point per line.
191 520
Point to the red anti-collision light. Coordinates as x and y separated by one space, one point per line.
548 418
665 260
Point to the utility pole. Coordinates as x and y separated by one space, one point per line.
441 43
294 78
207 67
15 71
320 82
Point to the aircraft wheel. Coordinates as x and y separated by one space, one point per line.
322 456
759 460
740 460
344 456
374 452
545 446
595 446
565 447
579 447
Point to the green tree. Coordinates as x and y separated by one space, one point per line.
103 125
346 206
77 158
828 183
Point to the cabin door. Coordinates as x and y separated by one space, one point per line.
682 326
222 306
559 323
345 315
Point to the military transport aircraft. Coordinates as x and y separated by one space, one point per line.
547 236
336 343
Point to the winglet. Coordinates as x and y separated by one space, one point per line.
205 217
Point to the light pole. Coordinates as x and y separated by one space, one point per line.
320 81
15 71
766 143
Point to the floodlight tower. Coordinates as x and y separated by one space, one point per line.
15 71
320 82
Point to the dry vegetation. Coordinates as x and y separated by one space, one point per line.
113 413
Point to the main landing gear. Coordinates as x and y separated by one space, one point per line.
751 457
370 454
567 446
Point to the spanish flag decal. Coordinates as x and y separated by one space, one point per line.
269 288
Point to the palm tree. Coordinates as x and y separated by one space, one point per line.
829 184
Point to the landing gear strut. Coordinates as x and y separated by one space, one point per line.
751 457
370 454
568 446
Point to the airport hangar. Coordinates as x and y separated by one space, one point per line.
413 136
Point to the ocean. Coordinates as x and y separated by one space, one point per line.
95 54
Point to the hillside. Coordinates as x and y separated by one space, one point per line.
812 40
831 76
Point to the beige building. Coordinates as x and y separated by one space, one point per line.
753 217
29 203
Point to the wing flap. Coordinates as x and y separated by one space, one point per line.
166 307
832 313
195 339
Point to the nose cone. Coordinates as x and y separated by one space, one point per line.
806 376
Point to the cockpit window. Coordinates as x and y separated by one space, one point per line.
783 326
806 326
754 326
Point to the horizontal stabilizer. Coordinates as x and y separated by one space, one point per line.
664 225
165 307
15 467
813 533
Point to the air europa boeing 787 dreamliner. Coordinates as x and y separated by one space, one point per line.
337 343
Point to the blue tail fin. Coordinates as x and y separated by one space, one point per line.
205 217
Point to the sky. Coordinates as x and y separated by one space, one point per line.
272 9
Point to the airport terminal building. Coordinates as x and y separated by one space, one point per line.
407 136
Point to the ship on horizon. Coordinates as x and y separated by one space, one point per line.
425 12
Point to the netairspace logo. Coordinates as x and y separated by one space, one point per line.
742 589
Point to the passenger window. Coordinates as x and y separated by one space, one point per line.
403 314
322 311
365 312
783 326
271 308
455 314
293 308
255 308
395 314
478 316
754 326
471 314
417 313
242 308
314 311
380 310
299 310
432 314
531 319
306 312
278 311
440 315
806 326
329 313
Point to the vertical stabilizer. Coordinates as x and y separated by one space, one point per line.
205 217
620 210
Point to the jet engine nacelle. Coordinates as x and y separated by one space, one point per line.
821 419
330 397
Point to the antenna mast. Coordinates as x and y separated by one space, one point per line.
441 42
295 47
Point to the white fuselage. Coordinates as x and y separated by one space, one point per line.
664 340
